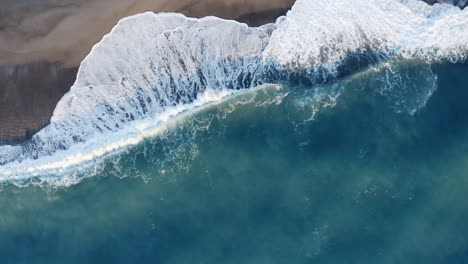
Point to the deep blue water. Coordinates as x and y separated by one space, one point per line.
255 179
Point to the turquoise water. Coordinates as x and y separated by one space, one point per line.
375 176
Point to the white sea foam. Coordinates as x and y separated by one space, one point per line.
321 33
78 156
152 67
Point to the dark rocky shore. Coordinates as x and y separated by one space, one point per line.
33 81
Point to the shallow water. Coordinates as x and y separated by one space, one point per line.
258 178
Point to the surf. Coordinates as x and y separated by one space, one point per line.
152 67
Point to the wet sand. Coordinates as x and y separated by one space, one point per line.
28 96
42 43
66 30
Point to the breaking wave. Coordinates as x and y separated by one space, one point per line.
152 67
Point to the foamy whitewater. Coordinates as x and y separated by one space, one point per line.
151 68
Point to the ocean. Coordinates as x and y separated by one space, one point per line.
363 160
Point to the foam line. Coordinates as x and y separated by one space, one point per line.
151 67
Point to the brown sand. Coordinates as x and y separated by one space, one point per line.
66 30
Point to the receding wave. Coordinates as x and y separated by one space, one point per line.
152 67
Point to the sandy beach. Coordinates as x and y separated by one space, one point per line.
65 31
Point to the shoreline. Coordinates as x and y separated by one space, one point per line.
33 83
30 91
65 32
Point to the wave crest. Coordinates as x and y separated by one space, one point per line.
154 65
